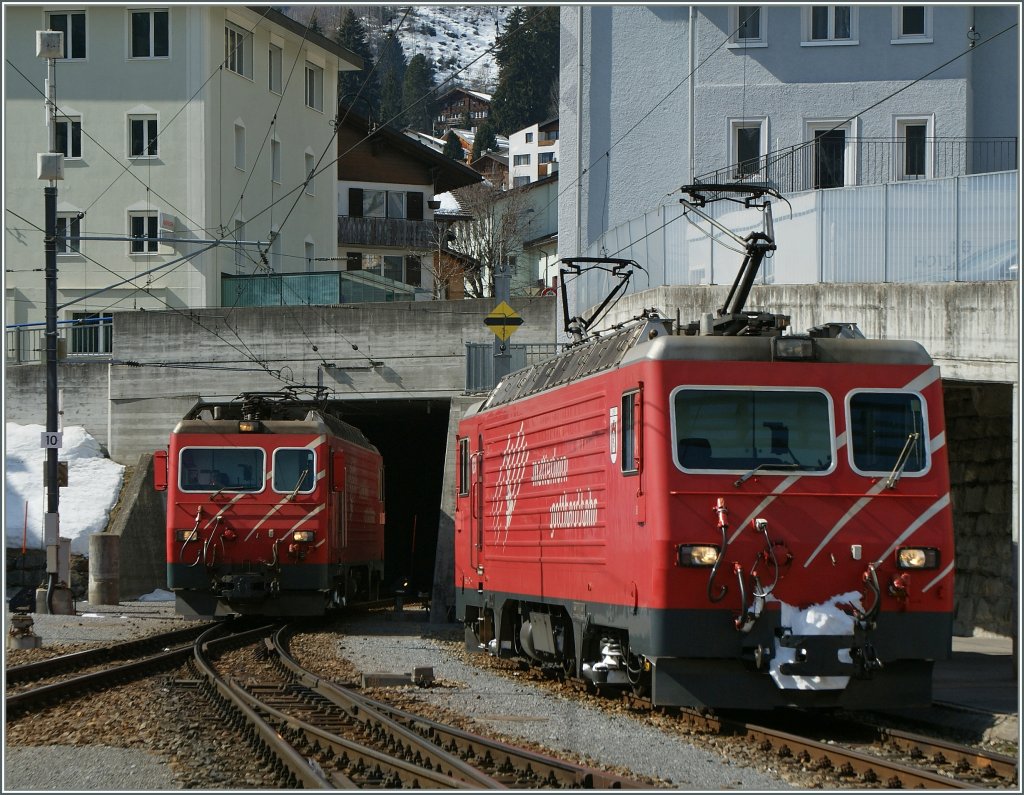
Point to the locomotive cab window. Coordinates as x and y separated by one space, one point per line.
629 430
294 470
885 428
463 467
740 429
221 469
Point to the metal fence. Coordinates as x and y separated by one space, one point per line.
480 361
80 340
956 229
312 289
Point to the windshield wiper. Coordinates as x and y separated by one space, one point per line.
298 483
767 465
901 462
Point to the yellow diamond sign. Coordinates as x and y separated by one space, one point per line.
503 321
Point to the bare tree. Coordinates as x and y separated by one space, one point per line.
492 235
445 265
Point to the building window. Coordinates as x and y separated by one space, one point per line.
518 182
546 157
529 138
143 225
69 230
150 33
72 25
748 26
830 161
747 145
829 24
142 139
239 250
310 170
240 146
68 136
237 50
314 87
94 335
275 160
310 256
911 24
275 69
354 261
396 204
520 160
914 148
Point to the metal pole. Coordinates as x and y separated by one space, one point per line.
52 520
502 292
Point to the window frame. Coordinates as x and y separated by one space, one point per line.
69 242
151 122
275 68
314 87
101 334
273 471
521 181
925 439
69 32
900 125
70 121
275 160
629 433
151 13
309 255
849 130
898 34
760 123
238 50
309 171
521 160
213 489
807 25
761 40
152 244
829 412
239 141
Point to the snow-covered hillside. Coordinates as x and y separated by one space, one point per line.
454 37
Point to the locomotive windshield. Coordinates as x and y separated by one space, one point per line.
882 424
294 470
221 468
736 430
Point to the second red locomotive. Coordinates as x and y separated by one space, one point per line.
728 516
274 507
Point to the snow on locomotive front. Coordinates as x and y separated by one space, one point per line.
744 519
274 507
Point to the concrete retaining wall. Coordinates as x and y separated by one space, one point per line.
139 520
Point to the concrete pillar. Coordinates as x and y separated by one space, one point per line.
104 569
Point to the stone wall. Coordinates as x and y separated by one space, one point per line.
979 430
28 570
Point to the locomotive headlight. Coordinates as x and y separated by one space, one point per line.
303 536
186 536
248 426
917 558
697 554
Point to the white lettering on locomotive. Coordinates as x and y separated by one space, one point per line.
578 512
550 470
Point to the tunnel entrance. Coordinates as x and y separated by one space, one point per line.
411 435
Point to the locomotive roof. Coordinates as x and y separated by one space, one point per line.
300 416
652 340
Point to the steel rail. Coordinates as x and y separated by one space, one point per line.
985 763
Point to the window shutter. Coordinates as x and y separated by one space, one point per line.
355 202
414 206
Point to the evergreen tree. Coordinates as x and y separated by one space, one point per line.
417 94
352 35
392 75
484 140
527 56
453 147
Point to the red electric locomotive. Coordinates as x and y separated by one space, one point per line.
719 515
274 507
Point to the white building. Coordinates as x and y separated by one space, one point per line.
533 153
198 123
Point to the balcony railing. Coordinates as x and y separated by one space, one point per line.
80 340
390 232
835 162
313 289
